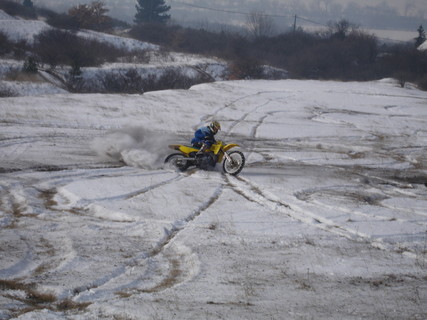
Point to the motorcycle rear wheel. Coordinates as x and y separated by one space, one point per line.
178 161
236 165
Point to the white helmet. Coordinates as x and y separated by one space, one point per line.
214 126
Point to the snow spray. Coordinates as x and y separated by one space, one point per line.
136 147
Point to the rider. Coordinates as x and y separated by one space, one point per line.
204 137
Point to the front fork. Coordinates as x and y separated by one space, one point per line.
227 156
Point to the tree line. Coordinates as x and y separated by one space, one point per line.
343 52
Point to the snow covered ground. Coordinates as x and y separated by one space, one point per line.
328 220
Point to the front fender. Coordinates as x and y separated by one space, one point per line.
229 146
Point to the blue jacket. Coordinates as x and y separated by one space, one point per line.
204 135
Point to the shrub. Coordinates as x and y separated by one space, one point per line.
21 49
5 44
91 16
30 65
132 82
136 56
154 33
402 78
63 21
422 83
352 57
175 79
128 82
404 60
246 69
6 91
74 79
56 47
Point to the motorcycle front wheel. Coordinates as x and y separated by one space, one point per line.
236 164
177 161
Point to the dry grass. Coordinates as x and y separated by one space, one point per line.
22 76
12 285
69 304
47 196
39 298
35 300
32 296
170 280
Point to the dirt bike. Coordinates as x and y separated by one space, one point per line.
232 162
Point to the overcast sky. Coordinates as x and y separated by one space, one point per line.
413 7
399 4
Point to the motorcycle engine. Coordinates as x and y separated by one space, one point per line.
205 160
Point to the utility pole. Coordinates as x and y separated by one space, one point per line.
295 23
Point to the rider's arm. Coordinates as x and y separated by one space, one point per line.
199 135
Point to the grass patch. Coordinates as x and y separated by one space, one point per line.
47 196
33 297
39 298
36 300
12 285
21 76
69 304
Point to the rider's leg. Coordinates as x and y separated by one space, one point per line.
202 149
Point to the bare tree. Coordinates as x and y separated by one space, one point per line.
341 29
91 16
259 24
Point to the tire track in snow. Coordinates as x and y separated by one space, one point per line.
81 205
379 243
45 197
121 279
171 279
254 110
347 191
23 266
214 115
254 193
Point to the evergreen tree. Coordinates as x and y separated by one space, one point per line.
28 3
151 11
421 36
30 65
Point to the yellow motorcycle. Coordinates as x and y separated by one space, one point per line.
232 162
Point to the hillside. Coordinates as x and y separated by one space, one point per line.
145 58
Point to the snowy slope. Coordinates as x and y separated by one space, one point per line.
117 41
5 16
17 30
423 46
326 221
159 62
